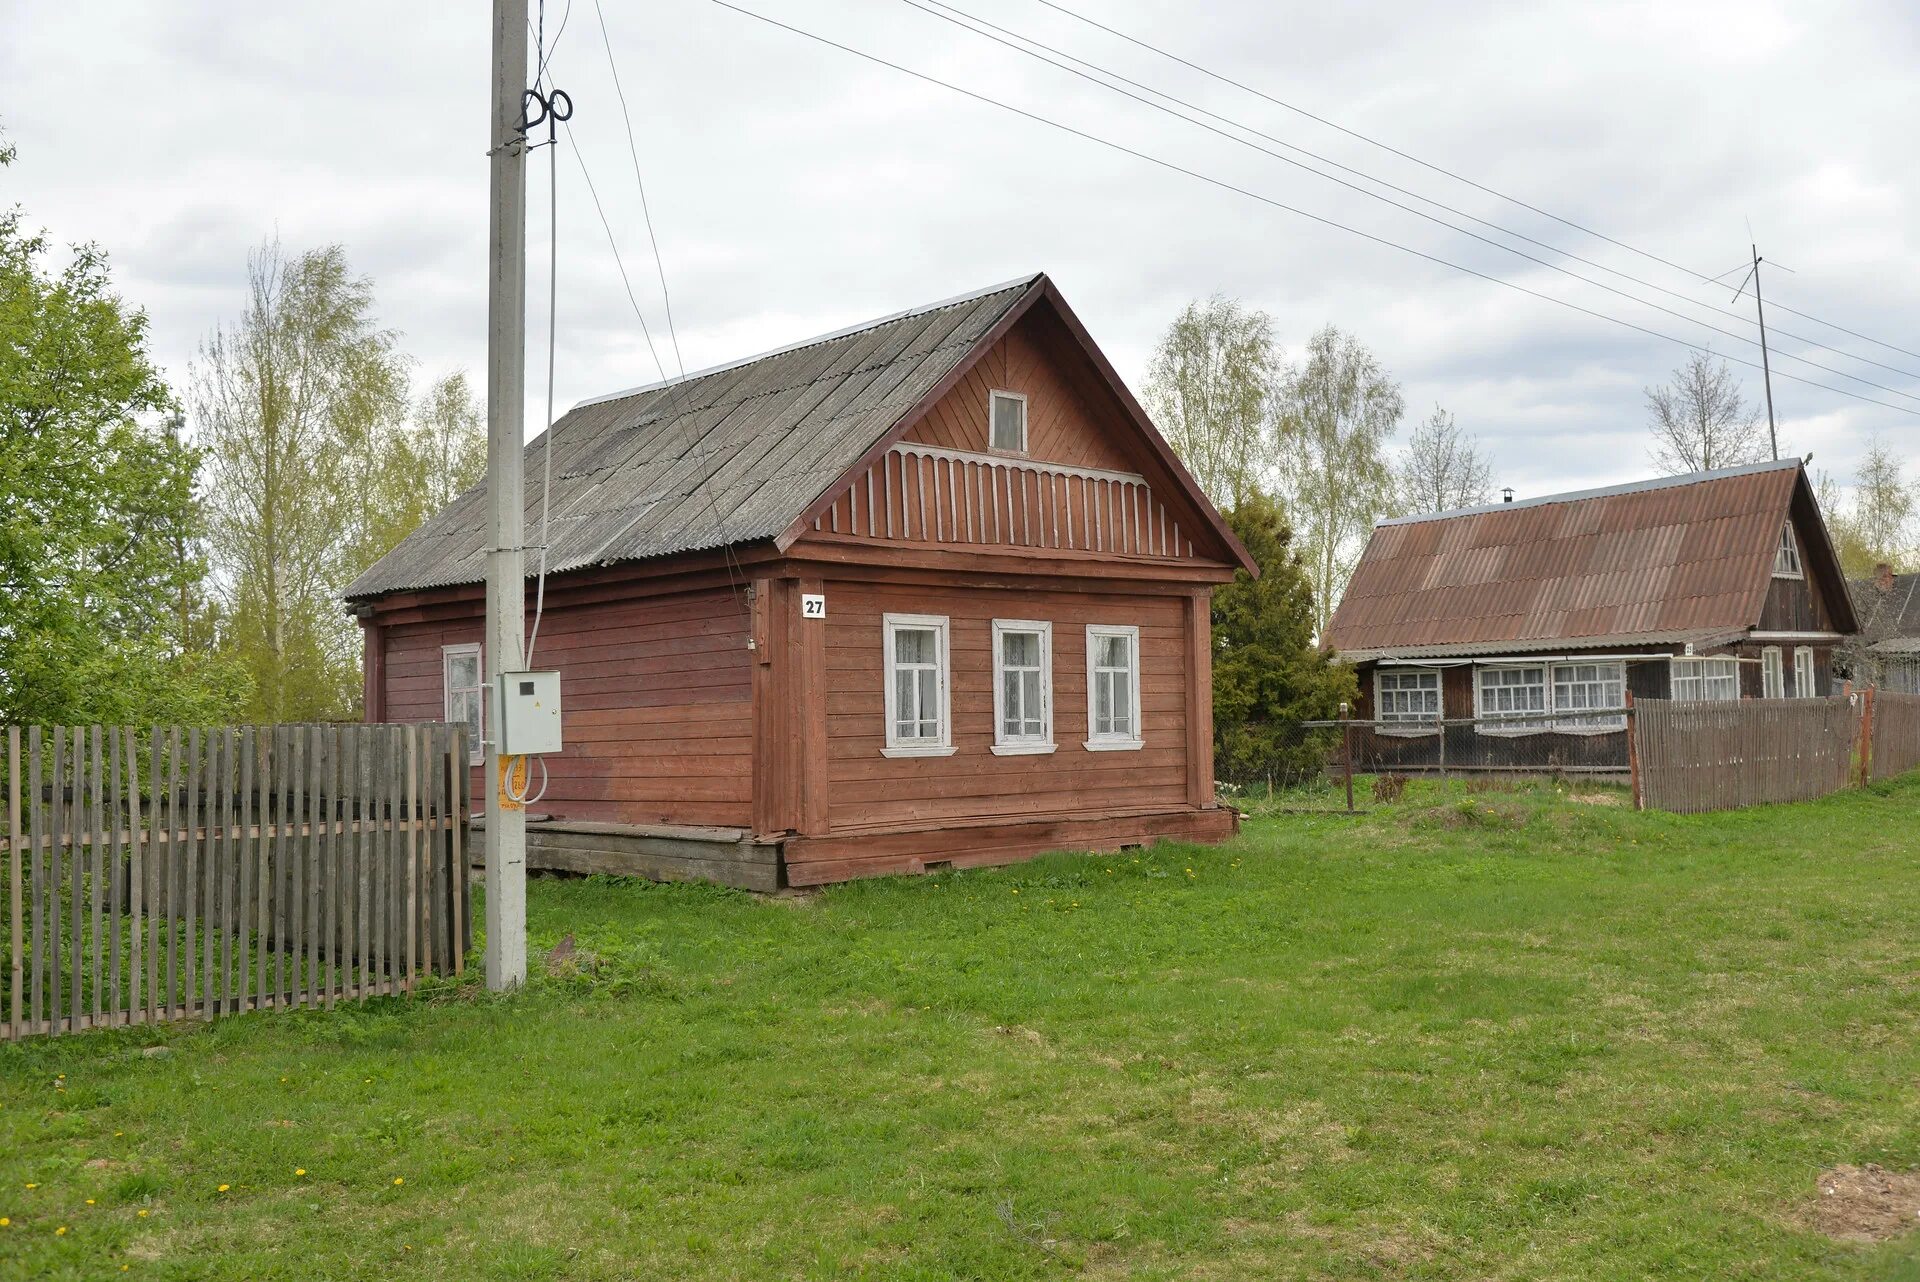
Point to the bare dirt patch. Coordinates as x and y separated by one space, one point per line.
1596 798
1867 1203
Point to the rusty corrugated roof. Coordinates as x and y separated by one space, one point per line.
1672 559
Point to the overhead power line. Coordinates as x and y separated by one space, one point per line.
1372 195
1223 184
1440 169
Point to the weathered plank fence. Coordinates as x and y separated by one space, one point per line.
1695 757
1893 732
190 873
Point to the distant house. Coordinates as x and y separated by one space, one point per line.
1887 651
1714 585
926 591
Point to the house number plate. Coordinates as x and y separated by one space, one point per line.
813 605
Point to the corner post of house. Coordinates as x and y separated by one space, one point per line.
1199 665
373 666
770 809
809 701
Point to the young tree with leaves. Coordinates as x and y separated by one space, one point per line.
1267 672
1884 507
1210 389
98 518
1442 468
1700 421
297 408
1337 411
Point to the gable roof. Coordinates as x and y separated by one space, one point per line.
742 452
1680 558
1891 615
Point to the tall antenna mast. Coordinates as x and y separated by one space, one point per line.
1766 365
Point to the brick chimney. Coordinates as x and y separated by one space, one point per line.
1883 577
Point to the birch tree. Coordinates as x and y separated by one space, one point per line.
1442 468
1337 412
1884 507
1700 421
1210 390
290 405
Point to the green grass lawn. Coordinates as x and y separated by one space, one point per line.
1499 1035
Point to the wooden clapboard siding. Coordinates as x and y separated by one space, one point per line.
656 698
866 789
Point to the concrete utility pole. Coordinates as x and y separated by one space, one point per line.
506 956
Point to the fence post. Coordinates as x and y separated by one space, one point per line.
1346 738
1866 736
1633 752
1443 745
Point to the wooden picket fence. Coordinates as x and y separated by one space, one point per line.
1692 757
1893 734
182 873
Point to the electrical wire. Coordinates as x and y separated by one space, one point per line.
1718 329
1223 184
1457 177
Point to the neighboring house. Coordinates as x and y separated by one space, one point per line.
926 591
1887 651
1714 585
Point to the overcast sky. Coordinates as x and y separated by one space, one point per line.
796 189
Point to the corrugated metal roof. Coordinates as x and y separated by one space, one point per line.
729 455
1889 615
1703 639
1678 559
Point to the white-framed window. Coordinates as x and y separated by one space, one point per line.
1803 672
1590 687
1007 421
1786 557
1506 695
1408 699
1022 686
917 675
1113 688
1773 679
1704 680
463 681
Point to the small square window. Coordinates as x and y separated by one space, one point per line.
1009 427
1705 680
1406 700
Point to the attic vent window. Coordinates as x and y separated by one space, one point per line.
1786 557
1009 413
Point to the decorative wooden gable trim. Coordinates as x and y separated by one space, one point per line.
1178 496
924 494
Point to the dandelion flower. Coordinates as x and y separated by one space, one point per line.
224 1187
33 1186
142 1213
398 1180
5 1223
89 1201
299 1170
61 1231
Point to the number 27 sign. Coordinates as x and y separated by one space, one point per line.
813 605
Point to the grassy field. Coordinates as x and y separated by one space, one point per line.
1495 1035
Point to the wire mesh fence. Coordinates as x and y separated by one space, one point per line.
1342 765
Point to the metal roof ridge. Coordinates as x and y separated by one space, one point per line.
1605 491
846 332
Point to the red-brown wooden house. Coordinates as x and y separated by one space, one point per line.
1014 573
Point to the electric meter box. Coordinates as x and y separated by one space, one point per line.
529 713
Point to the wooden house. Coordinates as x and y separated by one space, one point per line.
1886 653
1540 616
928 591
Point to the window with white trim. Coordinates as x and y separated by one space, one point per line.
1587 688
1113 688
1773 680
1007 412
1803 672
463 681
917 696
1786 557
1407 699
1507 695
1704 680
1022 686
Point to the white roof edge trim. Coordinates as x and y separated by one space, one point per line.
845 332
1572 496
